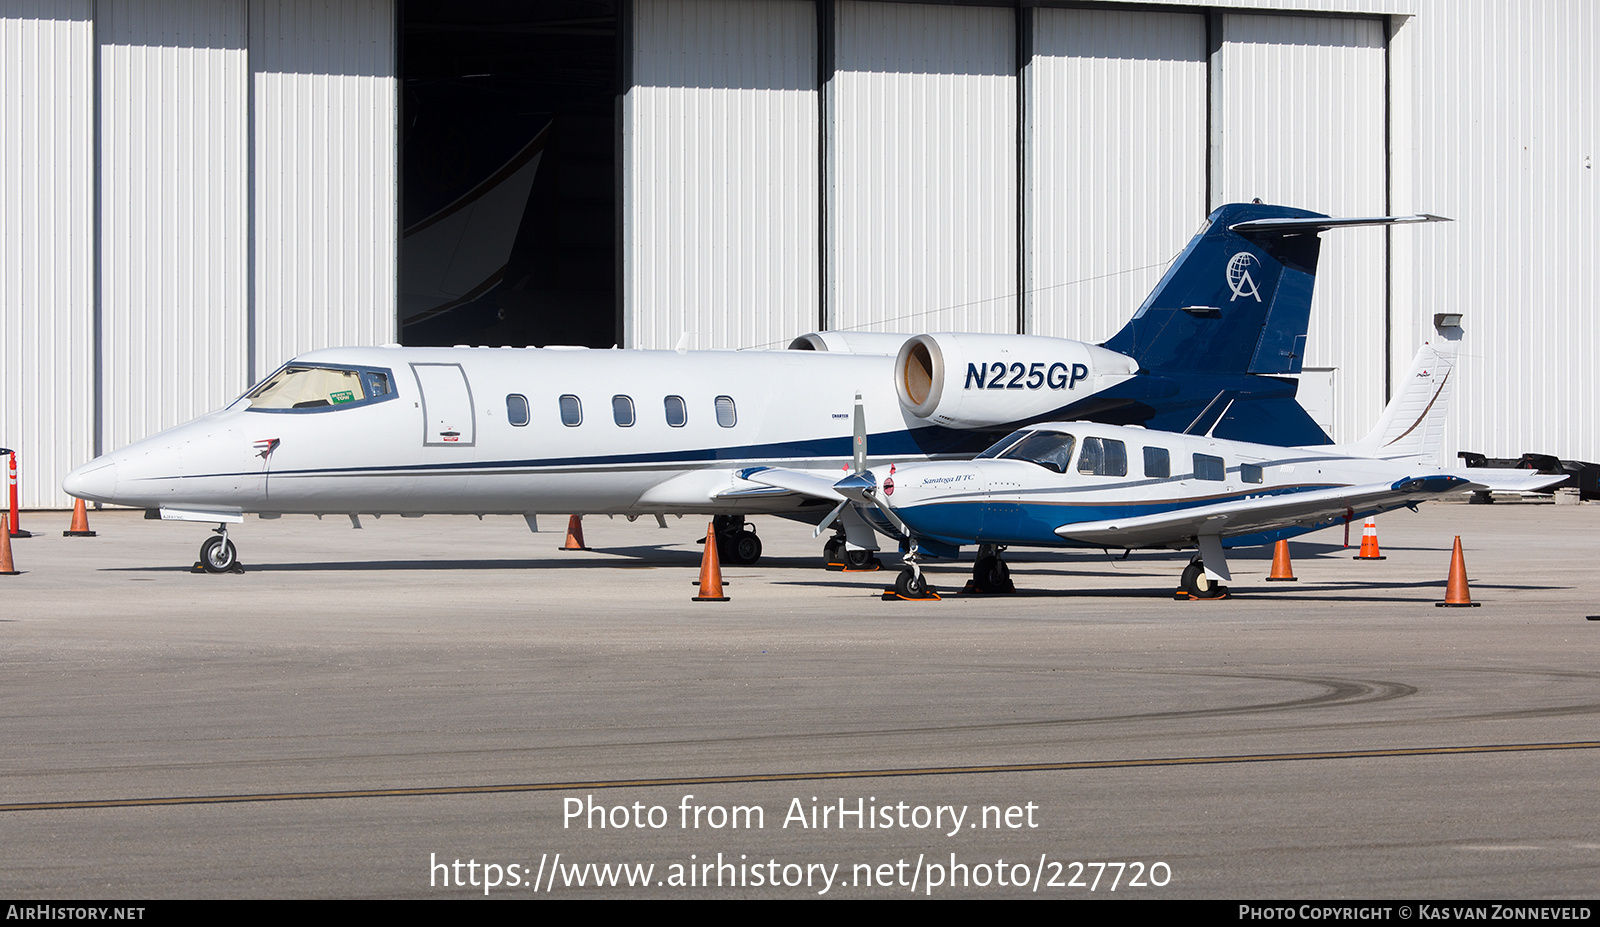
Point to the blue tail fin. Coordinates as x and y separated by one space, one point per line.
1237 300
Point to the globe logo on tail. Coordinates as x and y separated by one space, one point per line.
1239 279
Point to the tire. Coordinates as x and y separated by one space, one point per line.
743 549
218 555
833 551
1198 584
990 574
911 585
859 559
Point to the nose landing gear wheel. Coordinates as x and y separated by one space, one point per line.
911 585
218 555
1195 584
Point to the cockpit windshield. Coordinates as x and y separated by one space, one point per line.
304 387
1001 446
1049 449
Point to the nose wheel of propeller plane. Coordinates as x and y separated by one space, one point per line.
218 555
911 584
1195 584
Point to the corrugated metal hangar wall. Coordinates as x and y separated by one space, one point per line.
241 153
955 190
193 191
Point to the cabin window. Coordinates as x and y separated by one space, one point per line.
727 416
1049 449
517 409
1103 457
1207 467
304 388
571 411
622 411
1250 473
677 412
1157 462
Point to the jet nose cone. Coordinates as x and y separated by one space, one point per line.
95 481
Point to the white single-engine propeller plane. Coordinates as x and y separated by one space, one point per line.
1090 485
414 431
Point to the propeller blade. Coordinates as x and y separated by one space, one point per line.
823 525
860 462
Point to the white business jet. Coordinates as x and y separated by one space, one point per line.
414 431
1090 485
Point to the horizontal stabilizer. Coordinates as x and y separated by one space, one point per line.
1491 480
1283 226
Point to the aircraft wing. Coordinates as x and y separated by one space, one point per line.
1270 512
815 483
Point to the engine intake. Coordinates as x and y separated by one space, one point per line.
968 380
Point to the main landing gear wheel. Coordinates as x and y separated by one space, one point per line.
991 576
862 561
743 549
1195 584
736 542
833 553
218 555
911 584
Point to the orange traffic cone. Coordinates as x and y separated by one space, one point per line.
1369 542
1455 589
710 570
1281 571
574 534
7 568
80 522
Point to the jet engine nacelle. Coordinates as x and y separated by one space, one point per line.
885 343
965 380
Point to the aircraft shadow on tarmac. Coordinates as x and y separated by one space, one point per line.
1041 573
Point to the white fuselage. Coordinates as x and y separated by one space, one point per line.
444 439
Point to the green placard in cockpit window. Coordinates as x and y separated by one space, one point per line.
342 396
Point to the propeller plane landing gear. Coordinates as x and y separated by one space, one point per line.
218 554
1195 584
990 575
911 584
